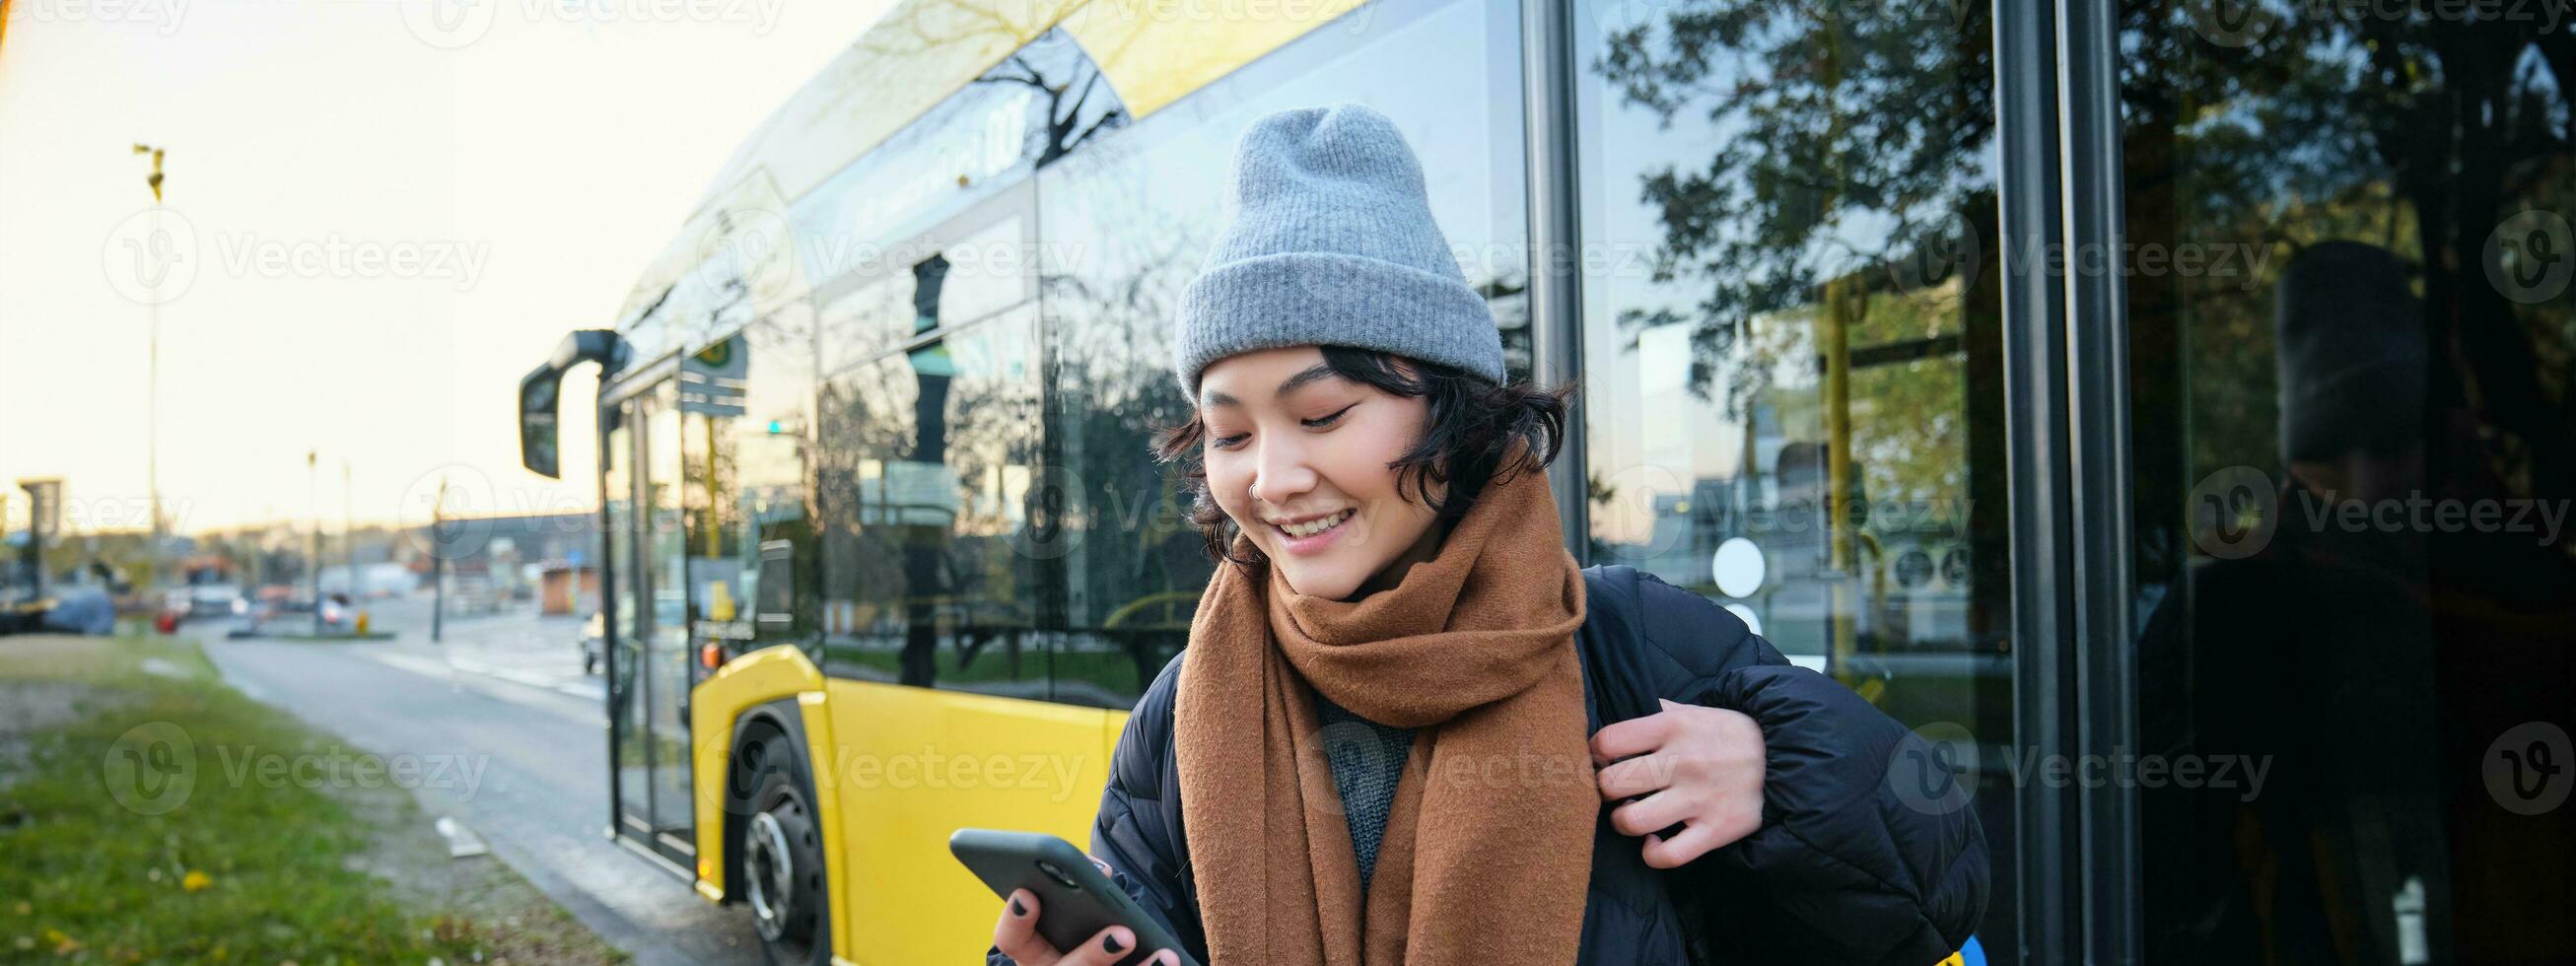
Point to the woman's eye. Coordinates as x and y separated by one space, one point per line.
1329 420
1230 442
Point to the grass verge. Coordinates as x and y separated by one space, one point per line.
134 833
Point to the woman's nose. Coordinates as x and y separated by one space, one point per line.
1281 475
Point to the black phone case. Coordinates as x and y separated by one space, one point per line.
1068 915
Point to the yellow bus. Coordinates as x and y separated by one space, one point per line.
883 555
884 552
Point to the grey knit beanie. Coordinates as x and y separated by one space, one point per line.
2348 337
1331 243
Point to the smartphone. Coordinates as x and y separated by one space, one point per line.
1075 901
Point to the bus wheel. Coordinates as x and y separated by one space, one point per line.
782 867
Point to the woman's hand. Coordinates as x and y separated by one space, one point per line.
1701 767
1016 935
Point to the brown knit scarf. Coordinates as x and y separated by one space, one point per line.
1488 844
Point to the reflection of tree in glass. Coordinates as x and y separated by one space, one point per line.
1071 117
1126 253
2416 133
1853 148
1838 252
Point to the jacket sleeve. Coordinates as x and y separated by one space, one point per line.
1850 864
1139 810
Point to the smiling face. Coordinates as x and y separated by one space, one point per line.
1299 456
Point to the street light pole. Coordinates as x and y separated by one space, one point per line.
349 538
438 564
313 545
152 385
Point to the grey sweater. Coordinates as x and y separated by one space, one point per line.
1367 758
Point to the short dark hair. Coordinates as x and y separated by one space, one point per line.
1472 427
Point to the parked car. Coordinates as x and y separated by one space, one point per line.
214 601
82 609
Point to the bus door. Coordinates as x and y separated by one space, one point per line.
649 661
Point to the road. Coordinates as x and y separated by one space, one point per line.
508 736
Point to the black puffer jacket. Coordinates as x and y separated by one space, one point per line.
1843 870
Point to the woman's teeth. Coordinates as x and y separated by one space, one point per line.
1313 527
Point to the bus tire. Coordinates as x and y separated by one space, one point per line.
781 844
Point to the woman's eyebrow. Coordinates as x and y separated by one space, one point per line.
1318 371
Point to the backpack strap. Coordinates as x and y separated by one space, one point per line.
1617 688
1612 643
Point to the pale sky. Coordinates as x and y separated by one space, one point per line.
382 219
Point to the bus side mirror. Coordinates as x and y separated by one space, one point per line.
537 392
537 446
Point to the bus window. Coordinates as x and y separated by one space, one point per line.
1791 345
2350 315
743 408
1126 227
925 463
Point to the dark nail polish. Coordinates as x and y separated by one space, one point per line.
1112 944
1017 909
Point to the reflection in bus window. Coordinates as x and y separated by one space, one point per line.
2350 310
925 462
1127 223
743 414
1792 350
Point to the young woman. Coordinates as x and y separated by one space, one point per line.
1408 728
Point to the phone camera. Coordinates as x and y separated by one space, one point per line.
1056 872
